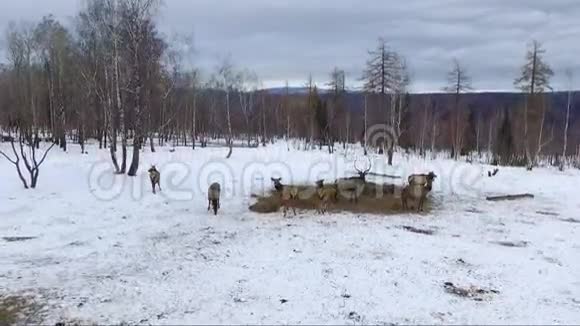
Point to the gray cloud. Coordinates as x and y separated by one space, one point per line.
288 39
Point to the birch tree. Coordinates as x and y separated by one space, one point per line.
570 83
227 81
144 51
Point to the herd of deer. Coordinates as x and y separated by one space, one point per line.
352 187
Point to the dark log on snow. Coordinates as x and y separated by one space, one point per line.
384 175
509 197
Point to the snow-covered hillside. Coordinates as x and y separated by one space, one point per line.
104 249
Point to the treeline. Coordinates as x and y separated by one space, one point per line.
111 76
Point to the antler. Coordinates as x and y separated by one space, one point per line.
360 171
370 165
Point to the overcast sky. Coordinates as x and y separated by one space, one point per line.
288 39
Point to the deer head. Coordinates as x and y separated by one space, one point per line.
363 170
430 178
277 183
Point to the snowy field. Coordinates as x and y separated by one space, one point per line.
104 249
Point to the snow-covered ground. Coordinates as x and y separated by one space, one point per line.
106 250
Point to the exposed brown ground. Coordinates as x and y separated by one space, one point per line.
380 199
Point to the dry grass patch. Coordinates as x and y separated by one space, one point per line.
380 199
20 310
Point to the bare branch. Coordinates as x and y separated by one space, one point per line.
7 157
45 154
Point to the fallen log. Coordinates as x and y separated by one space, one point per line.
509 197
384 175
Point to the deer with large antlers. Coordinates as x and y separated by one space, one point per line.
354 186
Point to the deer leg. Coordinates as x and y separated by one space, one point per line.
208 204
420 205
153 185
404 202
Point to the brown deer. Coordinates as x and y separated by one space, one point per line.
354 186
155 177
277 184
288 199
325 196
417 189
288 195
213 197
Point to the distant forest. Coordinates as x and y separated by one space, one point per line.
113 78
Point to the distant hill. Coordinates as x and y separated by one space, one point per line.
475 100
293 90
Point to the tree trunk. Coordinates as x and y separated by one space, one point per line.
135 160
423 130
193 122
540 135
82 138
565 146
111 124
433 135
263 122
365 126
34 178
489 138
229 121
119 109
528 154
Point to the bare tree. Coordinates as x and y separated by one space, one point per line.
365 123
27 153
386 72
377 75
55 46
287 111
458 82
337 84
144 52
228 82
570 78
541 143
248 81
427 103
399 103
310 85
490 133
534 78
114 24
194 84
